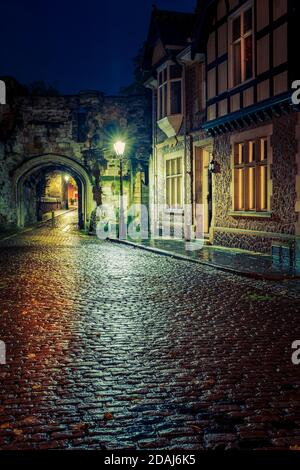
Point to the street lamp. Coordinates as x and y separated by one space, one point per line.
119 147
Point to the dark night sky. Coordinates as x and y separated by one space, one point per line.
77 46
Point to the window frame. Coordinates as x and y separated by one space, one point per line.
174 176
257 165
164 90
241 13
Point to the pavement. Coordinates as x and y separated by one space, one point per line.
47 217
242 262
113 347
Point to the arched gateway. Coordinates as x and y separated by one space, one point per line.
49 162
45 139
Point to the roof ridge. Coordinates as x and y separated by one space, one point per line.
175 12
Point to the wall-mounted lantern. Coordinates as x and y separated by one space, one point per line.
212 166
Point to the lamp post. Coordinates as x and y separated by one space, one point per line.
119 147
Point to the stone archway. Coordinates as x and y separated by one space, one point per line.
53 161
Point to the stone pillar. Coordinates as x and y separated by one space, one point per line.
64 192
80 207
188 210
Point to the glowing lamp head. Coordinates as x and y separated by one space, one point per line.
67 177
119 148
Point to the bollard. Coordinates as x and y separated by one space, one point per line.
53 219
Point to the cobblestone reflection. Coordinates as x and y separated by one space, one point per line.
113 347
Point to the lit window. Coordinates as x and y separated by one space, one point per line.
242 47
169 91
174 183
251 176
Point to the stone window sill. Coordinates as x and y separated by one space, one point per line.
262 215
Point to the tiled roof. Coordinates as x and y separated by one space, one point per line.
174 28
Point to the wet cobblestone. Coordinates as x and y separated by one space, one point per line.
113 347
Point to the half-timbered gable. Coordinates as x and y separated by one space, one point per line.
248 67
252 120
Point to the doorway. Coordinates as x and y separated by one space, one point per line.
203 189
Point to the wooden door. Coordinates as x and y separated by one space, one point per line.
202 190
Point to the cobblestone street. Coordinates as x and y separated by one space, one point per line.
111 347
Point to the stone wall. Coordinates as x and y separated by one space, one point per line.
7 216
234 231
82 128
